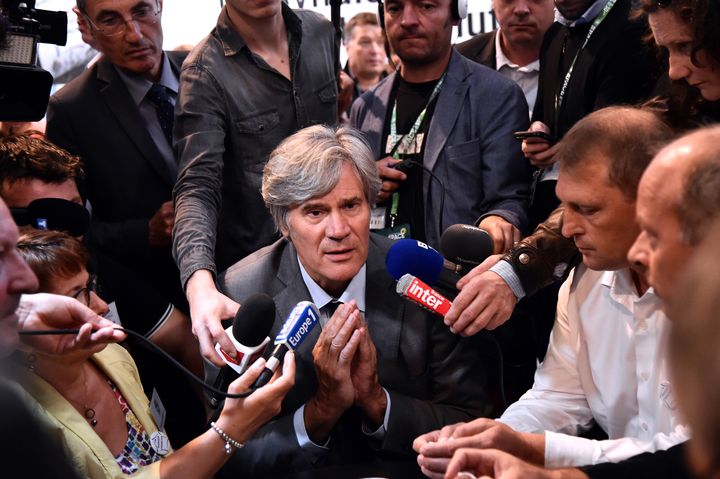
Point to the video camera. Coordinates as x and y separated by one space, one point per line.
24 86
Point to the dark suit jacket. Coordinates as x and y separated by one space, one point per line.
433 377
480 49
126 178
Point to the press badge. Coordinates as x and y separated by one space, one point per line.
396 233
157 410
377 217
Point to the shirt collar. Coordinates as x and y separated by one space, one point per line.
622 287
587 17
138 86
355 290
231 40
501 60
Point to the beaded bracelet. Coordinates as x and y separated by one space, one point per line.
229 442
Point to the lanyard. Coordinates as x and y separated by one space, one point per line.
407 139
561 95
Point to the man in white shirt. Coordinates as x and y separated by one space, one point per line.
514 48
605 364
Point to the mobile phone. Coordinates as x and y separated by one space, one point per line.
524 135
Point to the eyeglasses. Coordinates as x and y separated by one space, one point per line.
84 294
114 24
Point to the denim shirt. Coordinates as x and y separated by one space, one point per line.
232 111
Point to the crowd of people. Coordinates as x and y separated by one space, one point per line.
171 188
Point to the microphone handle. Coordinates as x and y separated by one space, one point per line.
271 365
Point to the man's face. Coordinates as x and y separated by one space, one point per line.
366 51
523 22
573 9
676 37
419 30
21 193
598 216
331 233
659 248
137 47
16 278
249 10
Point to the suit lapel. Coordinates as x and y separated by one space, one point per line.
486 56
374 123
450 102
294 291
118 99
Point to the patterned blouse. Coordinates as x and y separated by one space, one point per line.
138 450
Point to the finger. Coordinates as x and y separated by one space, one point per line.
339 328
489 262
431 474
347 353
420 441
516 236
475 461
436 465
387 173
476 313
207 346
247 378
474 427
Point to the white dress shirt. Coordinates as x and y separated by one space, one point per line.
525 76
606 363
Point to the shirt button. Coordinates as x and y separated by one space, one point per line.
644 376
644 426
642 325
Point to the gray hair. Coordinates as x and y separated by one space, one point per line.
308 164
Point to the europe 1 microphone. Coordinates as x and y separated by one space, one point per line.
301 320
249 334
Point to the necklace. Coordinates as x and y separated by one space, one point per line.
88 412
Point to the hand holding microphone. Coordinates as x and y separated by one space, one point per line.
298 325
249 335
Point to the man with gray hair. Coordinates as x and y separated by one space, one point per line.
377 371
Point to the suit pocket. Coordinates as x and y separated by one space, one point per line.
461 151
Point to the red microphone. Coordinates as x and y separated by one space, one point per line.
409 287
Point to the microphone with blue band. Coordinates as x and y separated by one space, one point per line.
298 325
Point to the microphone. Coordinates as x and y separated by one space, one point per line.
467 245
411 288
301 320
53 214
408 256
249 334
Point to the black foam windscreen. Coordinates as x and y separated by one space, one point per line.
466 243
54 214
254 320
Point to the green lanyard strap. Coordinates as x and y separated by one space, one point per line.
561 95
407 139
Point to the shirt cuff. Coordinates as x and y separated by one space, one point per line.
562 450
315 450
505 270
379 433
